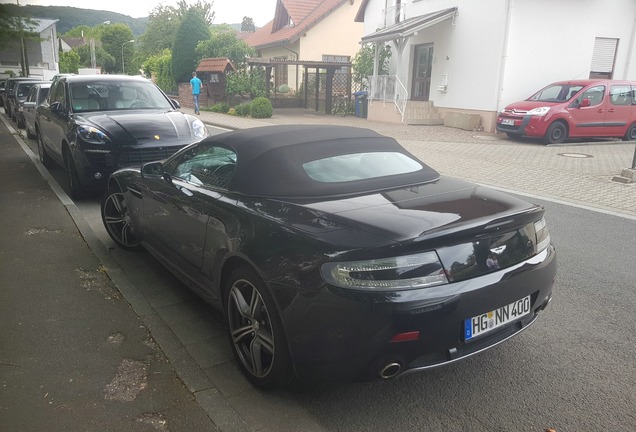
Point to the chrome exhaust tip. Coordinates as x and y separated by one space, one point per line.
390 370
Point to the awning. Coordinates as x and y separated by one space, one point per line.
408 27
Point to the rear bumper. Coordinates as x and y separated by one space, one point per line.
347 335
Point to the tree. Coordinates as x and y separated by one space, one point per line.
362 63
159 67
224 42
69 62
248 25
113 38
192 30
103 59
16 31
246 82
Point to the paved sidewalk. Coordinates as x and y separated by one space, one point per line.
579 173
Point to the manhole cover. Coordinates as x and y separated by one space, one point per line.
575 155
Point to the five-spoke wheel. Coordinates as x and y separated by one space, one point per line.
117 220
255 330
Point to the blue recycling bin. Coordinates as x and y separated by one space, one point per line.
361 103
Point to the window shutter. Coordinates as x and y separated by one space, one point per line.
604 55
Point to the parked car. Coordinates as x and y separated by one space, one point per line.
21 92
8 93
94 124
574 109
335 253
3 83
35 98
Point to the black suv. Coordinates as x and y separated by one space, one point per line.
93 125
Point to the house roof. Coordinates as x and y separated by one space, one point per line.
216 65
408 27
74 42
42 24
291 20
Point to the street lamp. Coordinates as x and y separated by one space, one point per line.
123 70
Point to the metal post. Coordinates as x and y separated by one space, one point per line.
123 69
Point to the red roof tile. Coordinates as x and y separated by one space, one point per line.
304 14
216 65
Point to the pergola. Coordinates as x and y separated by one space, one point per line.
308 65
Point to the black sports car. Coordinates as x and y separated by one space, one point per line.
335 253
93 125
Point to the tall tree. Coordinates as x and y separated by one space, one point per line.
113 38
69 61
225 43
362 63
248 25
16 31
192 30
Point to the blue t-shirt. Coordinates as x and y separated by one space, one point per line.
195 82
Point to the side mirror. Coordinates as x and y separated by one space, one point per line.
28 104
152 170
585 103
176 103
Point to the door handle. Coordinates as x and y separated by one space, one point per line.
611 110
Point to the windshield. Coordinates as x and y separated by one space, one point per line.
556 93
113 95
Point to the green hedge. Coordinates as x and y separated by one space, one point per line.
262 108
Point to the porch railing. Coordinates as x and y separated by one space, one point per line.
389 88
393 15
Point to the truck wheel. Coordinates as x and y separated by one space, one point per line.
630 135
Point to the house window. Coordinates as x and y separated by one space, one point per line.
280 73
603 58
337 59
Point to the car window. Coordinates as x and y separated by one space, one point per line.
32 94
594 94
205 165
556 93
23 89
44 92
57 93
620 95
360 166
117 95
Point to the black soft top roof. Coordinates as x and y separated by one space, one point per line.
270 160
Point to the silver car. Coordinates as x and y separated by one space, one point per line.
37 96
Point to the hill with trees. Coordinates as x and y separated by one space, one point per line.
69 17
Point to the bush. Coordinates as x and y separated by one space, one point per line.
222 107
262 108
232 112
244 109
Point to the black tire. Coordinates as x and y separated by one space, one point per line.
28 133
44 156
20 122
76 189
116 220
630 135
556 133
255 330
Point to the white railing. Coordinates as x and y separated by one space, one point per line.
393 15
389 88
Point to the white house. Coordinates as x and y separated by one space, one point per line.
42 55
475 57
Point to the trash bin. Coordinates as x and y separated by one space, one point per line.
361 103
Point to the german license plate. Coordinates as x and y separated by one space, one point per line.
480 324
508 122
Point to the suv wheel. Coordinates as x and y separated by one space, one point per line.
76 189
556 133
44 156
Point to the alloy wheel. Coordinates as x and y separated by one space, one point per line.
251 329
117 220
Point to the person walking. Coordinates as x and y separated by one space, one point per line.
195 85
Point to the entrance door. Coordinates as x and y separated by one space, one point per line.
422 72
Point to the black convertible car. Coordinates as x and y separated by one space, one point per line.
335 253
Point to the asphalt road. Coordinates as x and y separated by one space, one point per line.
573 370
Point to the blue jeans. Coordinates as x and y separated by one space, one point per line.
196 102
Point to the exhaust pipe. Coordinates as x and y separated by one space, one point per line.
390 370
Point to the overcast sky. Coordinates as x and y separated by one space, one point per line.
226 11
